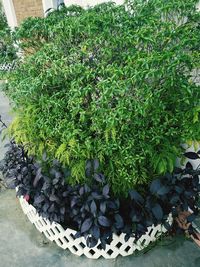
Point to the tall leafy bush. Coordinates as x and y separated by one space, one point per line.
112 83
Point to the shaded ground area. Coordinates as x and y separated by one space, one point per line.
5 115
21 245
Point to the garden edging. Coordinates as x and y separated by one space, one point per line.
65 238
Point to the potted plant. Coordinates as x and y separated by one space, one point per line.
104 98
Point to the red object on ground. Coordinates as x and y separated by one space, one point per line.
27 197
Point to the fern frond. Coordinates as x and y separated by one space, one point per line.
78 171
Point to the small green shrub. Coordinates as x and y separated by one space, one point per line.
113 83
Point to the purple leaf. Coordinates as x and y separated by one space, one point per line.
106 190
157 212
96 164
191 155
136 196
103 207
103 221
86 225
93 207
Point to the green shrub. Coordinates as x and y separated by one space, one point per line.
7 50
112 83
3 22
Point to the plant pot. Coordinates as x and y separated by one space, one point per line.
65 238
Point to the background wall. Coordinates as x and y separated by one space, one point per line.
27 8
17 10
86 3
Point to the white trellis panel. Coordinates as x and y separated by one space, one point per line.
195 163
65 238
7 66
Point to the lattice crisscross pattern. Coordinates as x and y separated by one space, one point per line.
8 66
66 240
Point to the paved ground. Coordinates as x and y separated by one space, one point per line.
21 245
5 115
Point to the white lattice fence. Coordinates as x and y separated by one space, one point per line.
65 238
7 66
195 163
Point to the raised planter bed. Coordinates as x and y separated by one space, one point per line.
100 122
65 238
78 246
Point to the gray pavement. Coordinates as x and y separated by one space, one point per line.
6 116
21 245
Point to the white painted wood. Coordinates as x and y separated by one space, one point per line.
64 238
8 66
47 4
10 13
86 3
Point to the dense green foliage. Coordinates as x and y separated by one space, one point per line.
112 83
7 50
3 22
3 26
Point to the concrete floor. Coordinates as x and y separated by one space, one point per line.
6 117
21 245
